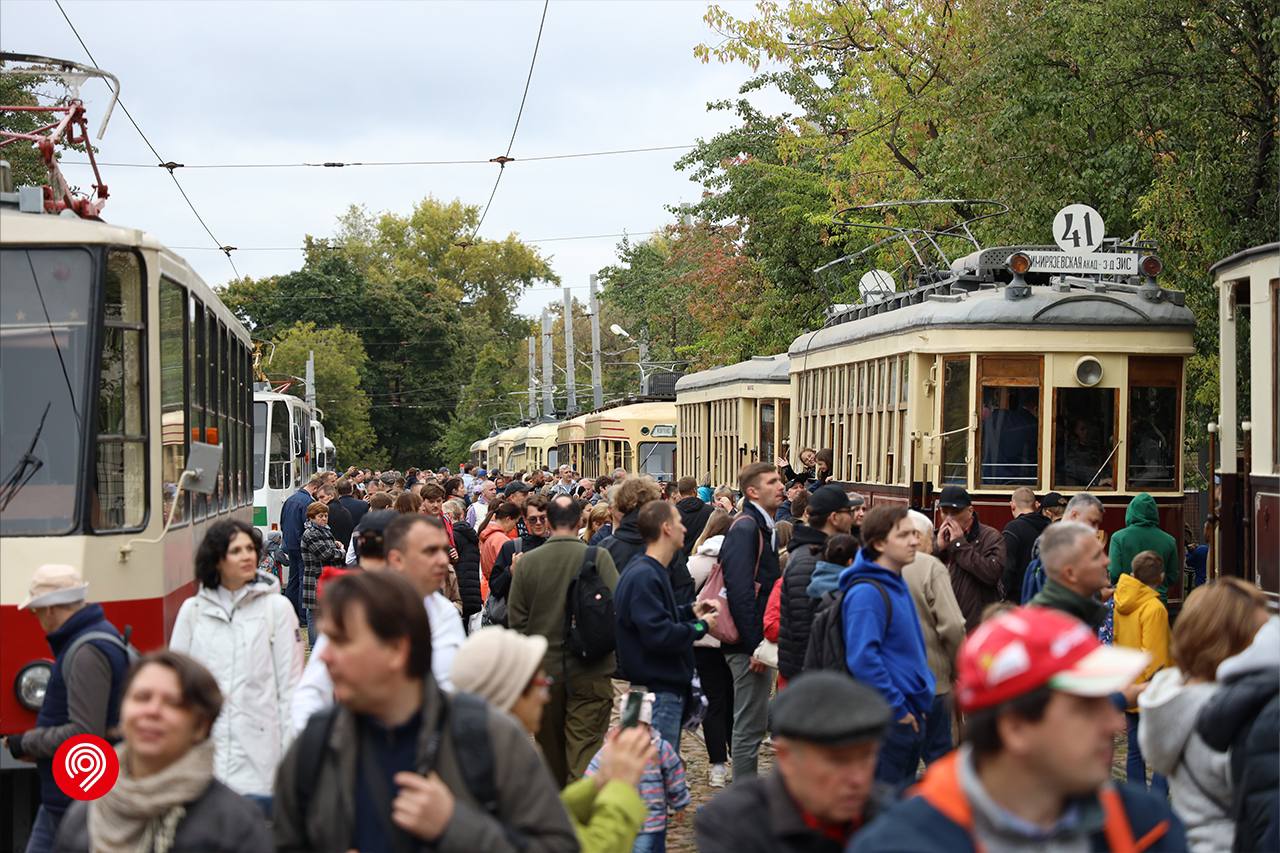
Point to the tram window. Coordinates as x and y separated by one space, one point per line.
768 425
1153 423
44 363
1010 426
173 395
658 459
1084 443
259 443
196 397
625 448
955 419
280 448
119 498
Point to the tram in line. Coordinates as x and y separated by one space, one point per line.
479 453
288 446
541 451
638 437
571 436
1245 518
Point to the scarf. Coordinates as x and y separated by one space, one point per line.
144 814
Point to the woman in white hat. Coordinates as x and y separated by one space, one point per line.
505 668
241 628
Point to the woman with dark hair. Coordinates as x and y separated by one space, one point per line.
495 531
240 627
166 798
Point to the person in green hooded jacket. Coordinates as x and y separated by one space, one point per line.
1142 533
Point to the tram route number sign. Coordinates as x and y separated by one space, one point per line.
1084 263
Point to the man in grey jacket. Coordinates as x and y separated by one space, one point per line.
398 764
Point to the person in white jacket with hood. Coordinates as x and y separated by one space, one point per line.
713 672
1217 622
246 633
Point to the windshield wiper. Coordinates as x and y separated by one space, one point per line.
20 475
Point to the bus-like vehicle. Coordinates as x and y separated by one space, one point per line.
284 452
729 416
639 437
1246 541
114 357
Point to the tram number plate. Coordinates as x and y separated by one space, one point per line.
1085 263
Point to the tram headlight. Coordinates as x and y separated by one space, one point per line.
1019 263
1151 266
1088 371
31 683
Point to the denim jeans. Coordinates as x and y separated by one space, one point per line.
650 842
750 713
900 755
937 729
1135 766
43 830
293 588
668 711
311 627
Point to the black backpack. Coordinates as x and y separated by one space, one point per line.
589 624
826 649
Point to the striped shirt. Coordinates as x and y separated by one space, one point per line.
662 784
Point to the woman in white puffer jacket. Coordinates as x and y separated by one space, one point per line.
246 633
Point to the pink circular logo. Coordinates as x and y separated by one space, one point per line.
85 767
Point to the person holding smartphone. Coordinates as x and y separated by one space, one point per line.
655 635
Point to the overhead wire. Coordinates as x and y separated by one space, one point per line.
224 248
336 248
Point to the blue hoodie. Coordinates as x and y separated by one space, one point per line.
825 579
890 658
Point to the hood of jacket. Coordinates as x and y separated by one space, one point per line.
711 548
689 506
263 584
1262 655
1142 512
803 535
1131 594
1169 709
825 578
628 531
491 531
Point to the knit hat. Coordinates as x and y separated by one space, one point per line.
55 584
497 664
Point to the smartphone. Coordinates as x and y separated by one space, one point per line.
631 710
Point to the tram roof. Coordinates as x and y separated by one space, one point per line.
641 411
546 429
759 368
1245 256
964 302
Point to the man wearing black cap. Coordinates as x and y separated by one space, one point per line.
972 552
518 492
794 488
826 733
829 513
1020 536
1053 505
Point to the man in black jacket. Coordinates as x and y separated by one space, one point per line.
350 502
749 560
1020 537
625 542
694 512
829 514
826 730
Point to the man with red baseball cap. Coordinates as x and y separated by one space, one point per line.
1034 773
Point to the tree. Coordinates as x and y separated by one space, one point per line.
26 165
339 360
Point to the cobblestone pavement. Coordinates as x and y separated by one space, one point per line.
697 770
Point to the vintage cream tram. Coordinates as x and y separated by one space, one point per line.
517 460
479 455
638 437
729 416
999 374
1247 432
570 439
541 450
500 447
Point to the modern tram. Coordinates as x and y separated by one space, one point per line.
729 416
286 437
1246 540
114 357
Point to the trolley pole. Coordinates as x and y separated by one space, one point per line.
597 389
533 376
310 379
548 402
571 405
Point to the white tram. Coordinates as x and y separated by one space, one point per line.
285 435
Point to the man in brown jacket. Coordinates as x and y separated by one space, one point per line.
398 764
972 552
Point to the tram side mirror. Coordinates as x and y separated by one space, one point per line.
203 462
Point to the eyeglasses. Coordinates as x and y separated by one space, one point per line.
535 519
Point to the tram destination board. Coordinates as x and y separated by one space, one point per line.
1085 263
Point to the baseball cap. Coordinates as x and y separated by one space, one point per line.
480 473
54 583
515 486
954 497
1052 499
827 500
1029 647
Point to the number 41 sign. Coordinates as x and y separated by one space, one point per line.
1078 228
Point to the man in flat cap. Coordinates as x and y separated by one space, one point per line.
826 733
83 693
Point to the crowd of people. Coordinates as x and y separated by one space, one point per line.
467 660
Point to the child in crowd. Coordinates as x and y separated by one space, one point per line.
841 549
661 786
1142 622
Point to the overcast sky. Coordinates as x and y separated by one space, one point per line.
218 82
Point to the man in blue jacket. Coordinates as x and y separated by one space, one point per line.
884 646
656 635
749 560
293 518
1034 772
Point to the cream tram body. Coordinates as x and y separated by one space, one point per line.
541 450
135 356
1068 386
571 436
638 437
729 416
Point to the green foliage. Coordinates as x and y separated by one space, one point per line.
28 168
339 360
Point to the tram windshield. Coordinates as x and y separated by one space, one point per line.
658 459
45 308
259 443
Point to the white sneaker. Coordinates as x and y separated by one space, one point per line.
717 775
